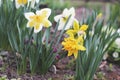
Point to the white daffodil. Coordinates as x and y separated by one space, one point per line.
33 2
39 19
64 17
20 3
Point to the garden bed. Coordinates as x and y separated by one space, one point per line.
65 70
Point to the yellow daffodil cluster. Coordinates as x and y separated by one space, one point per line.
75 41
73 45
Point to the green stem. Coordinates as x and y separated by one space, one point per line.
79 69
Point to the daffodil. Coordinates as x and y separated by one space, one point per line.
39 19
21 3
73 45
33 2
64 17
77 29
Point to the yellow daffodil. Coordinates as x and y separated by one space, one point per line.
64 17
77 29
39 19
20 3
73 45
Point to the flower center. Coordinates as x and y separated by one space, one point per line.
36 18
64 19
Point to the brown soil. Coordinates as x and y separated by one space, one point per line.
65 70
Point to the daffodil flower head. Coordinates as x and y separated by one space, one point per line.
64 17
33 2
20 3
77 29
39 19
73 45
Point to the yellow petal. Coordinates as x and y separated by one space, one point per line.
70 32
80 39
76 54
46 23
37 28
30 24
76 25
84 27
69 53
82 48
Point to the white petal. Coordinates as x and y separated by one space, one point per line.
65 12
56 18
37 1
27 15
28 24
61 25
72 11
32 3
69 12
48 10
69 24
37 30
16 4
